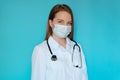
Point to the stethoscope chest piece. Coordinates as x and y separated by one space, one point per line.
54 58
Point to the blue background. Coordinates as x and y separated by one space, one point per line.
97 28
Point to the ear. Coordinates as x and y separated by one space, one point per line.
51 24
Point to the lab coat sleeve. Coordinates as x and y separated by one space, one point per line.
38 64
84 67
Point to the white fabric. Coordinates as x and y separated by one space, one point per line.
43 68
61 31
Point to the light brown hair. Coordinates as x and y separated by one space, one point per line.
56 9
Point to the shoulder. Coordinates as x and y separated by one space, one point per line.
76 44
41 46
40 49
39 54
73 42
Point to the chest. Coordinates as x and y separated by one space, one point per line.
62 67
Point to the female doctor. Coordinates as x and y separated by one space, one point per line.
59 57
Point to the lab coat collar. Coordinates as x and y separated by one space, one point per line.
55 45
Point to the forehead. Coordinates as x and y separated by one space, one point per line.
63 15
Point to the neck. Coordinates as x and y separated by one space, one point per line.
61 41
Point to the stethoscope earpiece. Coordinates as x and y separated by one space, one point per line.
54 58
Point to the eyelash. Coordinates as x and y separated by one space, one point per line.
59 21
67 23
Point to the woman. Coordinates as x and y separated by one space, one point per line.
59 57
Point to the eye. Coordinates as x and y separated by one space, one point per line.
60 22
69 24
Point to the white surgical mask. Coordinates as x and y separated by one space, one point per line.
61 31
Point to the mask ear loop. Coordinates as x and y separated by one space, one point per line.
79 52
54 57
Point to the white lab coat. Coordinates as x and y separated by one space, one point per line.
43 68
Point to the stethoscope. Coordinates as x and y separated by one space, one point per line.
54 57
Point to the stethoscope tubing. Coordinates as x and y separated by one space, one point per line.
54 57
